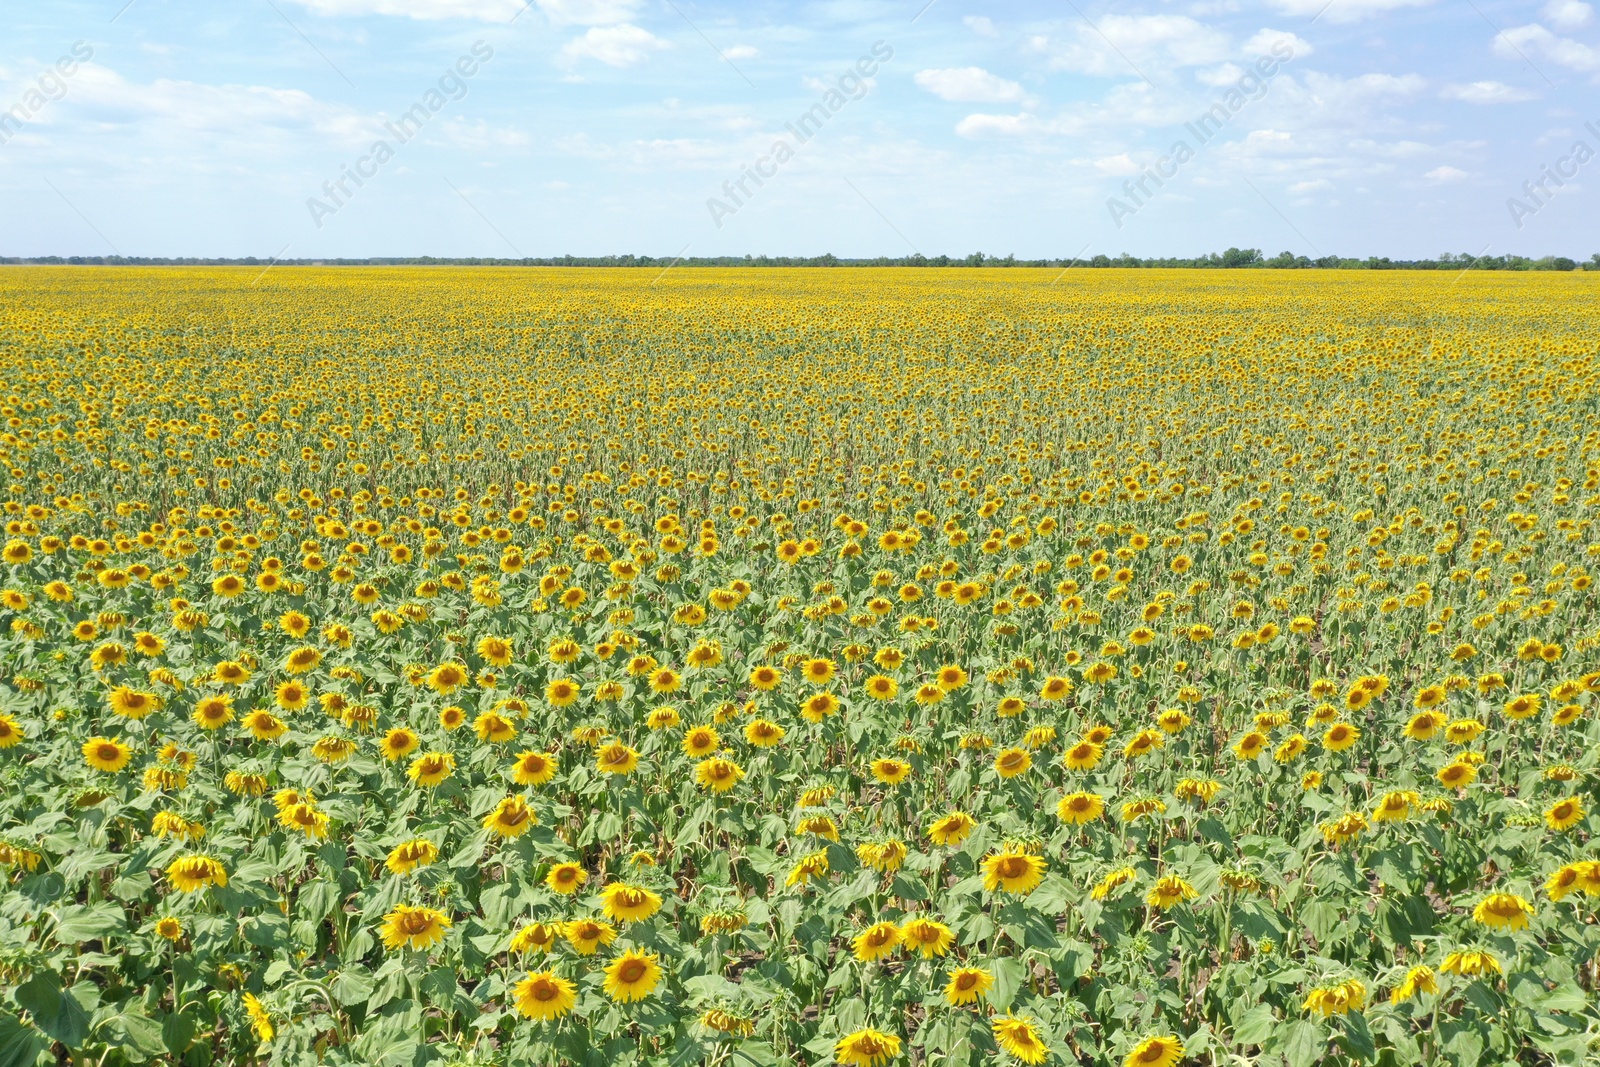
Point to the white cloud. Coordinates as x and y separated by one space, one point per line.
1217 77
1487 92
1345 10
972 85
1312 186
742 51
172 107
1518 42
980 25
1118 164
463 134
1010 125
478 10
583 146
1446 174
1159 42
1264 40
1568 14
1348 95
587 12
624 45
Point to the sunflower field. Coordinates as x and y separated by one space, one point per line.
755 667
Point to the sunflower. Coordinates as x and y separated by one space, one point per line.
812 866
1083 756
717 774
304 658
1010 707
544 995
1395 806
106 754
1417 980
169 928
194 872
1470 964
1503 911
818 671
10 731
1457 775
332 750
1019 1038
1079 809
881 687
1564 814
616 758
866 1048
533 768
1013 871
967 985
131 703
621 902
265 726
700 741
1119 877
1055 687
536 937
1169 891
260 1019
763 734
1341 735
566 877
1012 762
665 680
431 768
887 856
414 927
409 855
927 936
398 743
446 678
305 818
587 935
952 829
876 941
496 651
1155 1052
890 771
562 692
510 818
493 727
291 695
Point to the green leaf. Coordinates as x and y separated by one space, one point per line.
20 1045
1303 1043
1357 1037
1009 975
1254 1026
351 987
77 923
55 1010
139 1035
177 1032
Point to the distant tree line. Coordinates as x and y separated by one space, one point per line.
1231 259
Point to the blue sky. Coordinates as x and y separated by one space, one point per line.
1387 127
